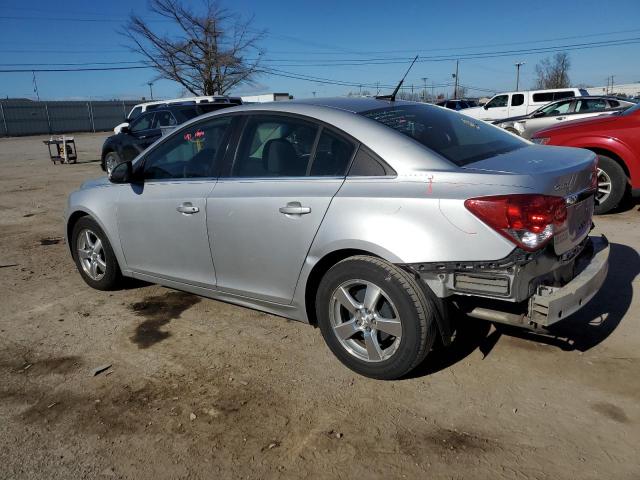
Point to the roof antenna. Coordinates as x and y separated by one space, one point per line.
392 97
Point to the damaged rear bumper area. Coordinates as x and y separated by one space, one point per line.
526 290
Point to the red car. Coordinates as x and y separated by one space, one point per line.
616 140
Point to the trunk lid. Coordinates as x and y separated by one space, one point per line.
557 171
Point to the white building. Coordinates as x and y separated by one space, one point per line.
629 89
266 97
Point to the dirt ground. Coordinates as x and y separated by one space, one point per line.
203 389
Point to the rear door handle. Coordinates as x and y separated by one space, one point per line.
295 208
187 208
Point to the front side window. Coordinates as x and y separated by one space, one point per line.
457 138
142 123
275 146
499 101
559 108
517 99
194 152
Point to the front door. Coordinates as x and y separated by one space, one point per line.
162 220
496 108
264 215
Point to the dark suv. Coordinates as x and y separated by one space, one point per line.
149 127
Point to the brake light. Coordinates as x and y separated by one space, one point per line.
529 221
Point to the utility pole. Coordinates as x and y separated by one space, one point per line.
455 88
433 92
35 86
518 65
612 84
424 90
150 89
377 88
360 90
314 94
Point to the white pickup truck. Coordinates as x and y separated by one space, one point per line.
512 104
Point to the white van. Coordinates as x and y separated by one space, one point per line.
141 108
513 104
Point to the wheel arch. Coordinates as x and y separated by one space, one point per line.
613 156
82 212
323 265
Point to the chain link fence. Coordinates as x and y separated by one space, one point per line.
24 117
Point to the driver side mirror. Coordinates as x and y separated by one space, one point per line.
122 173
125 128
538 114
486 106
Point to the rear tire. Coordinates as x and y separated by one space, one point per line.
612 184
94 256
375 317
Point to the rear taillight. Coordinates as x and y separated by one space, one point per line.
528 220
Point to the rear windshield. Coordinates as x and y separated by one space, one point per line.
632 110
456 137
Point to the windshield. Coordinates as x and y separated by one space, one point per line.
456 137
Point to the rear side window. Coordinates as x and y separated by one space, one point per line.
332 157
164 119
457 138
365 164
591 105
614 103
517 99
551 96
275 147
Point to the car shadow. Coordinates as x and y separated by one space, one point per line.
581 331
80 162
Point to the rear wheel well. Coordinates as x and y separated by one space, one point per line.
318 271
612 156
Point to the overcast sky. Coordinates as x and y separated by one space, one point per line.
309 38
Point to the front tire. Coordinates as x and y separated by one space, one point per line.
375 317
111 159
94 256
612 184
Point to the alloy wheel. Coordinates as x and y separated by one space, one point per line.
91 254
604 186
365 320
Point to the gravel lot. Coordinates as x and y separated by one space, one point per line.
203 389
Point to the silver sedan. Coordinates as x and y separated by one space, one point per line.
566 110
375 220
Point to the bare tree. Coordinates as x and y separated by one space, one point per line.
553 72
210 53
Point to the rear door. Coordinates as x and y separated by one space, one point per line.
266 209
517 105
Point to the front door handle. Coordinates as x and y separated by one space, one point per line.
187 208
295 208
560 118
